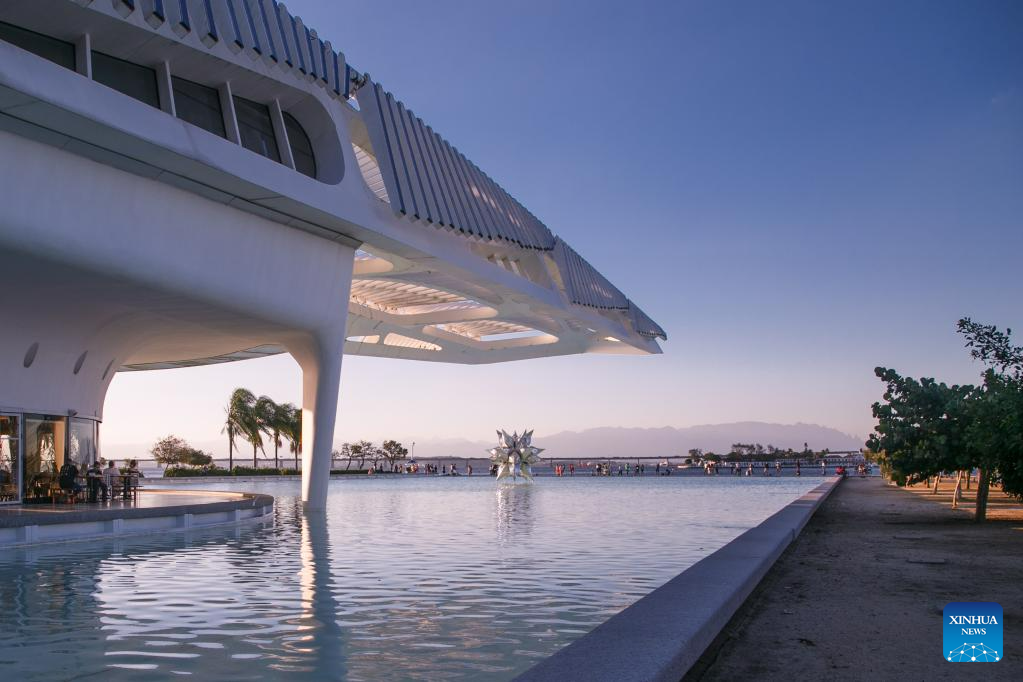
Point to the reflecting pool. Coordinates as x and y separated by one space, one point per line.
413 577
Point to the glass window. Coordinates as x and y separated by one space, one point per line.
57 51
131 79
82 442
44 455
301 147
255 128
198 105
10 452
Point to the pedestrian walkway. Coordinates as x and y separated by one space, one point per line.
860 593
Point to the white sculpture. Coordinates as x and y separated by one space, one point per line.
515 450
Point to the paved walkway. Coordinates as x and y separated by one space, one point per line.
859 595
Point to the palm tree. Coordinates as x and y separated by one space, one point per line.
291 428
262 421
239 417
280 416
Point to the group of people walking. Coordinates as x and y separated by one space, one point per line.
609 469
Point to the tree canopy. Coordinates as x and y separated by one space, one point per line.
925 427
172 451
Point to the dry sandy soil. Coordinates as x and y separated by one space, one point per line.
859 594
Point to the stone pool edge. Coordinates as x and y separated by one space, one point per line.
663 634
96 524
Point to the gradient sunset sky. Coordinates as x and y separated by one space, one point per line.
796 191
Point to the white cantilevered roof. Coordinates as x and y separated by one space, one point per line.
419 302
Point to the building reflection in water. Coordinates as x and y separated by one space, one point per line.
322 638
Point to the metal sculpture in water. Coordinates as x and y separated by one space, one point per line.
515 455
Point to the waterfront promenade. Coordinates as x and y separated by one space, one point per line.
860 593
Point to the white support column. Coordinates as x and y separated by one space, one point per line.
320 360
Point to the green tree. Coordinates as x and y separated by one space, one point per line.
291 428
261 422
921 427
363 450
345 453
240 416
275 420
393 451
996 425
172 451
926 427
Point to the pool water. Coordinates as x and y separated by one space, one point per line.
411 577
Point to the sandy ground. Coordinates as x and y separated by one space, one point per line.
859 594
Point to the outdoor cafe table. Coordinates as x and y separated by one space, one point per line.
129 482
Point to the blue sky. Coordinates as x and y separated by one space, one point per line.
796 191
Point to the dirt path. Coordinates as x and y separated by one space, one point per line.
860 593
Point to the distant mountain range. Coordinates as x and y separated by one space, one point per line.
605 441
611 441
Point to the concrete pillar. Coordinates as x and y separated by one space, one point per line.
320 360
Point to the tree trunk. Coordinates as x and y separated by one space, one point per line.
230 452
277 464
296 459
253 455
937 479
958 489
349 465
983 484
969 475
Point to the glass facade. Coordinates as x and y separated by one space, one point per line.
33 448
57 51
10 456
256 128
43 449
131 79
301 147
198 105
82 445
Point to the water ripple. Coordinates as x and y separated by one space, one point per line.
411 578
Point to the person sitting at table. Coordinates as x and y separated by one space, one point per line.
134 474
110 475
94 477
68 478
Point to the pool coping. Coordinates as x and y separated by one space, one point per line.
663 634
30 528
